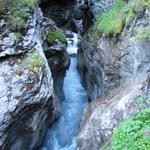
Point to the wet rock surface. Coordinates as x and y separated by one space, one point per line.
101 6
114 70
70 15
61 12
26 89
109 62
59 2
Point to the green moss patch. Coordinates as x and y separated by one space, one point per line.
19 11
143 101
110 22
56 35
133 134
113 21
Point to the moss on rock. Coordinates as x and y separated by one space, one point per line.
113 21
143 33
34 60
56 35
110 22
19 11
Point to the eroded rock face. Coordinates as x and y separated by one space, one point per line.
101 6
109 62
103 115
118 68
26 89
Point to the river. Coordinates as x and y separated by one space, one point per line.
62 135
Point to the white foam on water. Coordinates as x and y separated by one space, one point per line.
72 44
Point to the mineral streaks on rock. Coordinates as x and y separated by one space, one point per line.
26 89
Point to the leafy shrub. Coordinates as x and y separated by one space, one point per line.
133 134
56 35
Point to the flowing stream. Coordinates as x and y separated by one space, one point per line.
62 135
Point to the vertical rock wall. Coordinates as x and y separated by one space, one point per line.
115 72
26 89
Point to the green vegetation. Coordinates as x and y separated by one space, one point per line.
144 33
112 22
142 100
19 11
56 35
133 134
18 71
34 60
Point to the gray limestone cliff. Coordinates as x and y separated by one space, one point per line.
28 103
115 71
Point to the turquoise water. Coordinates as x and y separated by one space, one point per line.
62 135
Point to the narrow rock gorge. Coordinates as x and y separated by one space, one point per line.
75 74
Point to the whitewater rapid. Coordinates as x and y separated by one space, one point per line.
62 135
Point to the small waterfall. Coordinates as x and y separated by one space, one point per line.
62 135
72 44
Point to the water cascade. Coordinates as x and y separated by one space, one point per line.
62 135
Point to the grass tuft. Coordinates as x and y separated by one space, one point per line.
110 22
34 60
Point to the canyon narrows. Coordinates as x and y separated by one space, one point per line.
62 135
75 74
